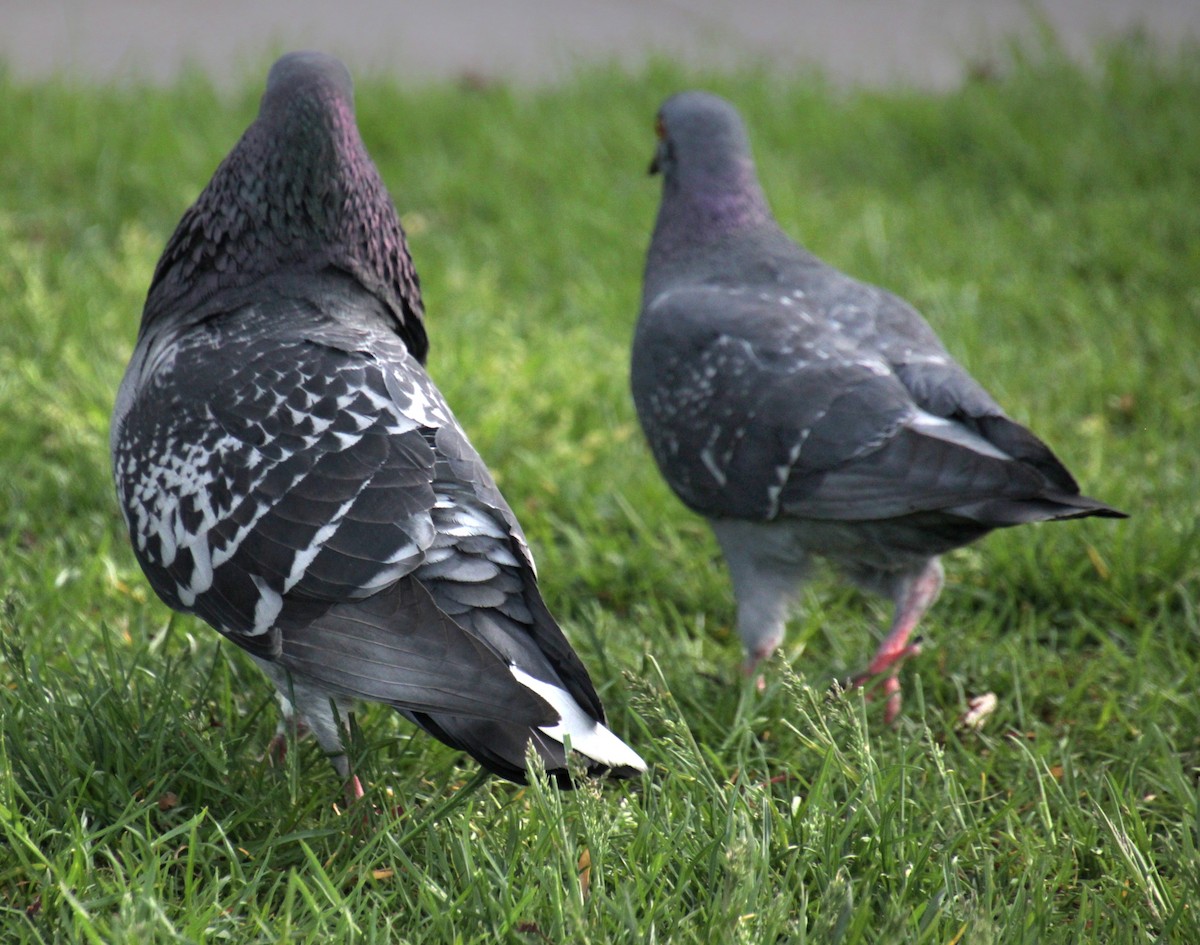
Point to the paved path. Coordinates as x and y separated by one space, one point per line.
923 42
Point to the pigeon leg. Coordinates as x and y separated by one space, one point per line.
329 738
915 595
750 668
277 750
767 572
354 789
277 747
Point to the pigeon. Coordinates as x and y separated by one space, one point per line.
808 415
289 473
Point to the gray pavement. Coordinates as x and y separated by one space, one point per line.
927 43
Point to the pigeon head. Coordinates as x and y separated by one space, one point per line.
700 134
710 194
704 157
298 195
308 73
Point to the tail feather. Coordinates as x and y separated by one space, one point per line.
1050 507
587 735
501 746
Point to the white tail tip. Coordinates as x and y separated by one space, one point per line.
588 737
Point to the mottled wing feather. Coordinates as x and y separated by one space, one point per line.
945 389
878 321
313 498
755 408
479 570
281 471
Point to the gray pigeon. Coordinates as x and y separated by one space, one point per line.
289 473
804 413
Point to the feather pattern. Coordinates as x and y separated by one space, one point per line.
289 472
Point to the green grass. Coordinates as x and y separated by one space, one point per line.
1046 222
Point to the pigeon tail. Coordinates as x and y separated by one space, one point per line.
502 746
586 735
545 672
1051 507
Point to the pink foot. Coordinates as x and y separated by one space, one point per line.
760 681
277 747
914 596
751 664
887 663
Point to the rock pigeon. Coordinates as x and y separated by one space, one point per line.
288 471
806 414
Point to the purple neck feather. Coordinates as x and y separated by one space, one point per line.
702 206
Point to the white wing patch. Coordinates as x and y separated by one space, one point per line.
956 433
270 603
467 522
710 462
304 557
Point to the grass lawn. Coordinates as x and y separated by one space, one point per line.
1045 219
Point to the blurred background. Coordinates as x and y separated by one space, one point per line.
932 44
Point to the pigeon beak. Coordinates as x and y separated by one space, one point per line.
660 153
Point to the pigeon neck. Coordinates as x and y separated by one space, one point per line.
698 215
297 193
704 205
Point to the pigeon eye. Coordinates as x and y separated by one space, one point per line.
660 129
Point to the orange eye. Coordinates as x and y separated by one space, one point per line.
659 128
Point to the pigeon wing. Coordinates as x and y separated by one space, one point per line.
284 491
756 409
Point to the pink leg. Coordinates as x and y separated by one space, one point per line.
277 747
751 663
353 792
916 597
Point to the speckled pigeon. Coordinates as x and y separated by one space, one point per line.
804 413
290 473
